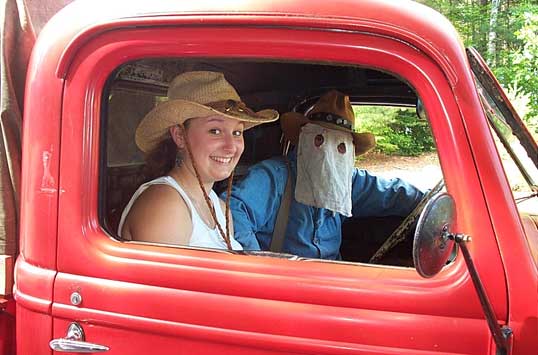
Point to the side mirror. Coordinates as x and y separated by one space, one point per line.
431 245
421 113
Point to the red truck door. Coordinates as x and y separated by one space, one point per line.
136 298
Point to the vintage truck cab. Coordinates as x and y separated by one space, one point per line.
99 66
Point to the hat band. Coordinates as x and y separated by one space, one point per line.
232 107
331 118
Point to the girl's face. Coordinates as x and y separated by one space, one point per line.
216 144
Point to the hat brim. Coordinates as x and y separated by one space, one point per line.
291 123
153 128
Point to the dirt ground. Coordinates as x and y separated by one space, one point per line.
423 171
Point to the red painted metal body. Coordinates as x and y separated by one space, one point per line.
139 298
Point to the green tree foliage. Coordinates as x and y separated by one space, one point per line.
397 130
525 64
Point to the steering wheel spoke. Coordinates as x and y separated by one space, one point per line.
402 230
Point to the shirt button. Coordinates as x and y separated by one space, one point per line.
318 223
316 240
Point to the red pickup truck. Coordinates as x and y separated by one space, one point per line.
464 281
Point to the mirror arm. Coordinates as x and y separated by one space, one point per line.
496 331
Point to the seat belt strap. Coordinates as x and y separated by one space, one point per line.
277 242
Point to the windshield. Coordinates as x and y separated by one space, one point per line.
519 146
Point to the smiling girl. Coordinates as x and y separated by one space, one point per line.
192 140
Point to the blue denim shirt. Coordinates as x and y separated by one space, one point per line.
311 232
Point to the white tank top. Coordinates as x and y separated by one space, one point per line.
202 235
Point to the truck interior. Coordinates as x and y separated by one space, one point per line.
136 87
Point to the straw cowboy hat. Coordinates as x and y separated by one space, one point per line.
333 110
196 94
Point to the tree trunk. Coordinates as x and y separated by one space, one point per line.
492 36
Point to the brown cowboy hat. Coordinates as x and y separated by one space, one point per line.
333 110
196 94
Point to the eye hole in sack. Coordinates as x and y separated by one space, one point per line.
318 140
342 148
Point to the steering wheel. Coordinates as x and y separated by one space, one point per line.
400 233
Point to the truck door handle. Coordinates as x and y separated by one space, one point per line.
74 342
